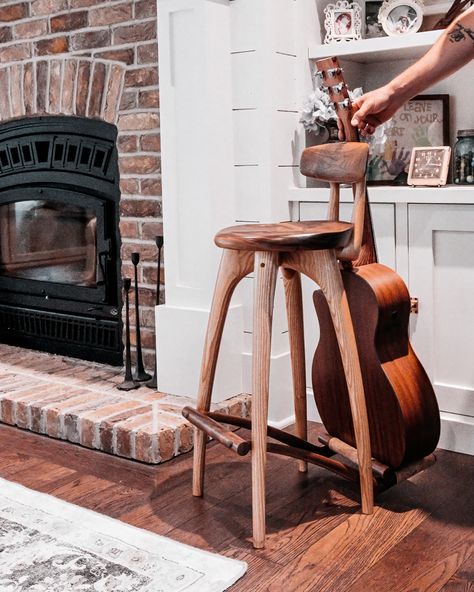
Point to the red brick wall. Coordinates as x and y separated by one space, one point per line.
118 30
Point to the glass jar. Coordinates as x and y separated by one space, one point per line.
463 158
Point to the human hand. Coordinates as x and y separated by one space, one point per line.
375 167
399 162
371 110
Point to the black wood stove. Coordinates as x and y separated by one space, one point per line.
59 238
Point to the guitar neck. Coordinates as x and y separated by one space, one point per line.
332 77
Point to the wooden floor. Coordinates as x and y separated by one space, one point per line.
421 537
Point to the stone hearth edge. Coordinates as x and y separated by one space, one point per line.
78 401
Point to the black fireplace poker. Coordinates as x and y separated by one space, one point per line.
140 374
153 383
128 384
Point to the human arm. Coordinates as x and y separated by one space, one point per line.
452 50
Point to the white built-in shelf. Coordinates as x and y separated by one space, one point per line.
451 194
379 49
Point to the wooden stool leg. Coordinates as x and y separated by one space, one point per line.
266 269
323 268
294 310
234 266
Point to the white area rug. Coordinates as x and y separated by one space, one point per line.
47 545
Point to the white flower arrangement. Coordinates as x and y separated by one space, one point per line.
318 110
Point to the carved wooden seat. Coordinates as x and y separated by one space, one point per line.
314 249
285 236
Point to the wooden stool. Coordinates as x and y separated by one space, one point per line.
314 249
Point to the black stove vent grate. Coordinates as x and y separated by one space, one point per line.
95 338
88 156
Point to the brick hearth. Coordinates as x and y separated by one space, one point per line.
78 401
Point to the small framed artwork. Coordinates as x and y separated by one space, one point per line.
342 21
429 166
422 122
401 17
373 28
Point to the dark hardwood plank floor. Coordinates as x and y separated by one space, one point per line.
420 538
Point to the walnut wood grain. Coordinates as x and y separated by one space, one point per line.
275 433
335 163
368 252
336 466
294 310
350 454
265 275
322 267
234 266
285 236
402 408
217 431
422 527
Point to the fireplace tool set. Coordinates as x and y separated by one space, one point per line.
134 380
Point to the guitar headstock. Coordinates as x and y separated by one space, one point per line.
331 75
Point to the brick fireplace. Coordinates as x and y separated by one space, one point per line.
97 60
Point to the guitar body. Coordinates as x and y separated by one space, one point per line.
402 409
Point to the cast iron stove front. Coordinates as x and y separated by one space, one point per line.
59 237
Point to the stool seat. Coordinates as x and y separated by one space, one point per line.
285 236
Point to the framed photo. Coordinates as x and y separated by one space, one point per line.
422 122
401 17
342 21
429 166
373 28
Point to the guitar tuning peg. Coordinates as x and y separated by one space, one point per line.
318 74
339 87
343 104
333 72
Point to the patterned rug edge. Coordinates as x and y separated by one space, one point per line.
220 572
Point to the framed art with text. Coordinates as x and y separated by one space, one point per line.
421 122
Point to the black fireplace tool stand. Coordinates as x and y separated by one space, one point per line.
128 384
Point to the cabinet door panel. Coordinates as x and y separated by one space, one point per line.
441 268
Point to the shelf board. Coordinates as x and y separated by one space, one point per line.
379 49
451 194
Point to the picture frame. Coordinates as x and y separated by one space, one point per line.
429 166
401 17
342 22
372 26
421 122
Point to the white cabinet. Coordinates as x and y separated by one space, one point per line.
441 264
441 259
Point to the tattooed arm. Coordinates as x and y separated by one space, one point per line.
454 49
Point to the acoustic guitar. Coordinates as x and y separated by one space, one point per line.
403 413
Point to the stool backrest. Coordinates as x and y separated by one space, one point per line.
342 162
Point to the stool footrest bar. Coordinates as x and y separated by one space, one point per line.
216 431
386 476
335 466
276 434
